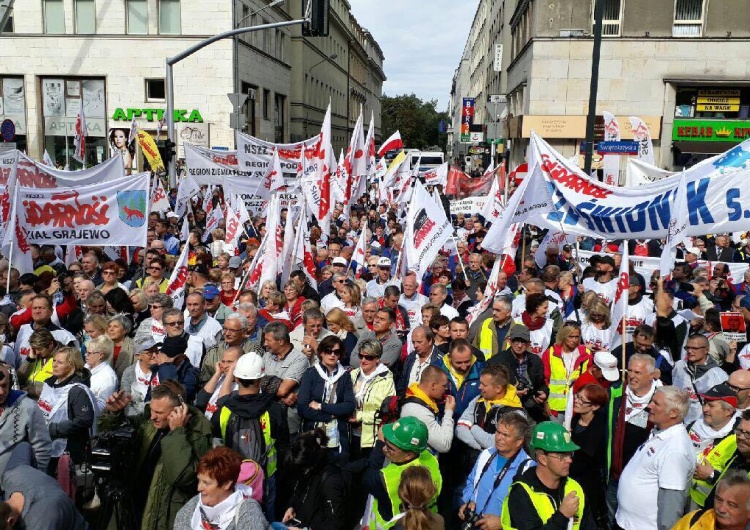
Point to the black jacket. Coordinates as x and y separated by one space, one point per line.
534 369
253 406
311 389
319 498
403 379
77 428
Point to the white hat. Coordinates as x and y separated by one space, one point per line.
693 250
605 361
338 260
172 214
384 262
249 366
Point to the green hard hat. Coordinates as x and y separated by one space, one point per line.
552 437
408 434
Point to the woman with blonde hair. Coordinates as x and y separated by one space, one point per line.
595 330
340 325
351 296
103 377
417 493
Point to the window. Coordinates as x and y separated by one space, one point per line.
266 104
611 17
85 17
688 18
54 16
249 107
245 16
278 110
266 38
137 17
8 25
155 90
169 17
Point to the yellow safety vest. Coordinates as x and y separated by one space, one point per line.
717 458
392 478
265 425
559 382
487 338
544 505
41 371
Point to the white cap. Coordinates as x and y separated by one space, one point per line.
384 262
249 366
606 362
693 250
338 260
172 214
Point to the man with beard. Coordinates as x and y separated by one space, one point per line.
605 283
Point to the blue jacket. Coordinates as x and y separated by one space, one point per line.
489 500
403 379
186 374
469 388
311 389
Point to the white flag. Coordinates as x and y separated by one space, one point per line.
159 200
133 131
494 203
234 228
273 179
185 191
178 279
47 160
359 256
185 231
489 292
271 263
324 161
302 252
678 223
620 303
80 139
427 230
643 136
611 162
212 222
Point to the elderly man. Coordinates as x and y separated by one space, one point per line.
200 324
376 286
364 321
493 331
90 265
424 354
235 335
333 299
306 337
214 307
731 508
411 300
383 331
713 439
438 294
653 486
255 323
41 316
475 273
697 373
326 287
739 381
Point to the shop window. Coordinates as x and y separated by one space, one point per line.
169 17
54 16
137 17
688 18
85 17
155 90
611 18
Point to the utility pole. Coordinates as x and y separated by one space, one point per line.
591 119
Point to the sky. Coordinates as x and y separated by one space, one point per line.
422 41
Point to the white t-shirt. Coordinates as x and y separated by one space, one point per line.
330 301
606 291
413 308
518 306
594 338
667 461
635 316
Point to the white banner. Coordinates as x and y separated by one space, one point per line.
254 203
33 174
468 206
427 230
639 173
254 154
717 195
109 213
209 166
178 279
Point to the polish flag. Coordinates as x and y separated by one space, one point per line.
178 279
394 142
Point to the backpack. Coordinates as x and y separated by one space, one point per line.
245 435
390 408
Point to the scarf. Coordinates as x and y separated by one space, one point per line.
217 517
330 379
635 406
532 323
457 377
617 457
415 391
363 383
485 406
703 436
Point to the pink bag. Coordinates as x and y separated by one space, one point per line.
251 475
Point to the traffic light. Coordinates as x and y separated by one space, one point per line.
317 26
170 151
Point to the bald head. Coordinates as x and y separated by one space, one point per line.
740 383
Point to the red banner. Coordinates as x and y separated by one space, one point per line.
462 185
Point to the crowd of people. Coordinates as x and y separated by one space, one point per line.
360 399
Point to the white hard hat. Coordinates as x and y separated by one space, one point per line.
249 366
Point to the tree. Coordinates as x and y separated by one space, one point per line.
417 120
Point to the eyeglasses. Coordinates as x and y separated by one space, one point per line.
339 281
150 353
175 323
334 351
742 434
738 389
154 306
561 456
579 398
368 357
91 352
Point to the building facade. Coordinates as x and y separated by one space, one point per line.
58 56
683 66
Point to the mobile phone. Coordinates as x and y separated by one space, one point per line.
294 522
179 398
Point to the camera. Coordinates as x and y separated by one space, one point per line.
522 384
111 451
470 519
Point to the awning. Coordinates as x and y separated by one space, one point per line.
703 148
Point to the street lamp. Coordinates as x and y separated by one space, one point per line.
331 57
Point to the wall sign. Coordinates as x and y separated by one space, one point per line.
711 130
180 115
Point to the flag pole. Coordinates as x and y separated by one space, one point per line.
624 316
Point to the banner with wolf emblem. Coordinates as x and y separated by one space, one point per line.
108 213
427 230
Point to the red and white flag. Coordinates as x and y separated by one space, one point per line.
611 162
359 256
370 159
212 222
438 175
643 136
427 230
275 245
489 292
73 253
185 230
620 303
272 180
80 139
234 228
159 200
324 161
394 142
178 279
302 253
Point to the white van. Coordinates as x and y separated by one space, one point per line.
427 160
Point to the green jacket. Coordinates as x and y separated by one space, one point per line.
175 479
380 388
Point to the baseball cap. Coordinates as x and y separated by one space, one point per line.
210 291
634 281
721 392
174 346
567 248
520 333
384 262
607 363
235 262
172 214
145 343
693 250
338 260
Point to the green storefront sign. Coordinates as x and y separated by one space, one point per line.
711 130
180 115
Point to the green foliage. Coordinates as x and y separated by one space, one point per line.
416 119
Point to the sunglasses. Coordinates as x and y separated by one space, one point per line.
154 306
176 323
335 351
368 357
